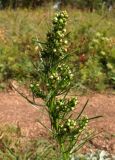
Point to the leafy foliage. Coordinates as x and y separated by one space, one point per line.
95 59
53 81
17 46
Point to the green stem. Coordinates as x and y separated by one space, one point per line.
64 154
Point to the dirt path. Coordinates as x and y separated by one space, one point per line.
13 109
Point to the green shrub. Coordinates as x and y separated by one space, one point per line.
13 64
94 59
53 82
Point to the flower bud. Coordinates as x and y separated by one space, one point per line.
55 19
65 129
65 49
65 42
31 85
51 77
62 15
61 21
64 30
54 50
61 40
62 35
37 85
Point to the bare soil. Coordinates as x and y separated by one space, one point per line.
15 109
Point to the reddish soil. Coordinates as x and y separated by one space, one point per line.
14 108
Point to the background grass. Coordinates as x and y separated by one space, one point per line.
19 27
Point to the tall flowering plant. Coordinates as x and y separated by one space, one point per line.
52 84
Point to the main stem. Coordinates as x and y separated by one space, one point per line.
64 154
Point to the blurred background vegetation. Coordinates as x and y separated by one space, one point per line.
76 3
91 29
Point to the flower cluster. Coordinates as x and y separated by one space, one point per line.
37 92
56 44
71 123
60 76
54 69
82 123
65 105
65 71
73 127
68 126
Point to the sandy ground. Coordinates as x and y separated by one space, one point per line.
15 109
